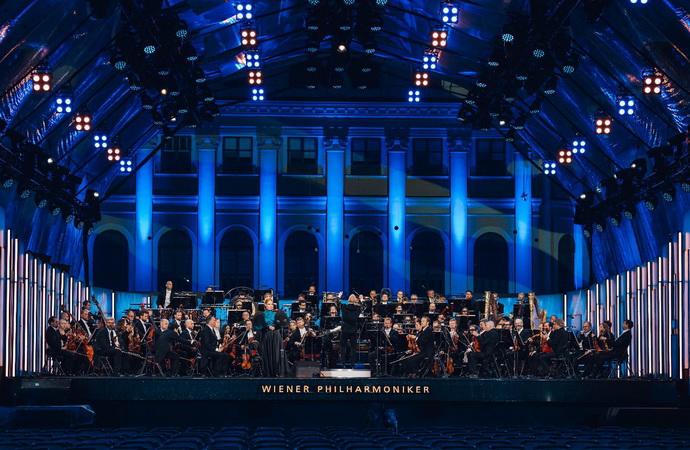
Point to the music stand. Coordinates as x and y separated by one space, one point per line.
214 298
399 318
235 315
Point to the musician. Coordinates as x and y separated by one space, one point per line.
399 309
618 349
425 341
85 322
302 307
400 297
206 313
238 301
496 306
210 349
188 334
458 346
142 325
178 318
382 307
488 339
130 317
165 296
558 341
107 344
311 290
56 339
537 345
385 342
298 341
348 335
270 323
164 346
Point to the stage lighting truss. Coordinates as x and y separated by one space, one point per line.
579 145
100 140
603 123
249 37
258 94
549 167
63 102
652 81
439 37
114 153
125 165
421 78
244 10
449 12
429 59
414 96
252 59
255 77
625 104
82 120
42 79
565 156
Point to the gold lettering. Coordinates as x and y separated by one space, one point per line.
376 389
281 388
305 388
386 389
265 389
289 389
358 390
396 389
348 389
319 389
426 389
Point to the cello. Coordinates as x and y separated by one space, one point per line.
78 338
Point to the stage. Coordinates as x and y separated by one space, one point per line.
322 402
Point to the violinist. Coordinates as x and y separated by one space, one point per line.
187 348
178 319
298 341
538 344
385 343
211 351
617 349
107 344
85 323
487 340
558 342
56 340
164 346
424 343
456 346
130 317
142 324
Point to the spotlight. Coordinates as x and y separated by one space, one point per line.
248 37
668 193
255 77
602 123
449 12
342 48
496 57
337 80
439 37
615 219
565 156
538 52
519 123
253 59
652 81
118 60
629 212
370 46
510 136
579 145
570 63
550 85
79 224
508 34
181 29
114 154
641 2
651 202
23 190
188 52
125 165
549 167
146 101
7 180
639 167
685 185
535 107
421 79
54 209
149 48
40 200
600 226
42 80
82 121
587 231
63 102
100 140
245 10
626 105
414 96
68 216
258 94
429 60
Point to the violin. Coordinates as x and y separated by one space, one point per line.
78 338
449 365
412 343
476 346
545 347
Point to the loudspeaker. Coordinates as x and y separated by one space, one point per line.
307 369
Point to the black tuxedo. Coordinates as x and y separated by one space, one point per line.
348 335
487 342
208 345
140 329
161 299
85 325
55 342
106 345
164 349
558 341
425 342
618 350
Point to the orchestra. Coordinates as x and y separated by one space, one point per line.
435 336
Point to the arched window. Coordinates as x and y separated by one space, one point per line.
566 264
366 262
301 263
491 263
236 260
427 264
111 261
175 260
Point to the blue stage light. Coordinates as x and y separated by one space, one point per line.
100 140
253 59
549 167
429 60
449 12
625 105
258 94
63 103
126 165
245 10
414 96
579 145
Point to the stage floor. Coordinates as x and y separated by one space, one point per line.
155 401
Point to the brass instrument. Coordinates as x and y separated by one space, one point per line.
532 307
487 300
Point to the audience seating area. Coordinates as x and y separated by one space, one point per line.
343 437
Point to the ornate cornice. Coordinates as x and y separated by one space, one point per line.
344 110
